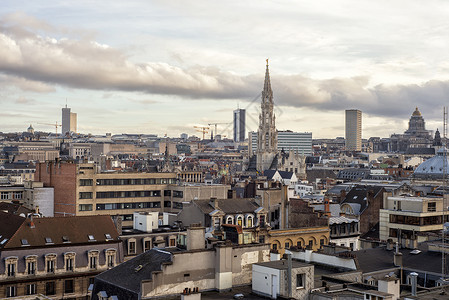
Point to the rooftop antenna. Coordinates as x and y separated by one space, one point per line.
65 102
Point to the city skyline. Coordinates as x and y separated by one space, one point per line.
164 67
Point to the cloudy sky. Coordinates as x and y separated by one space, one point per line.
165 66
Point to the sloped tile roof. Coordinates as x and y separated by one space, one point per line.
76 229
228 206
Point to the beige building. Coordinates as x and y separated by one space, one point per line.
353 130
407 219
312 237
82 189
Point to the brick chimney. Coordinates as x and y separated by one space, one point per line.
327 211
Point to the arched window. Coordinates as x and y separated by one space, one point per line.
240 221
229 220
249 221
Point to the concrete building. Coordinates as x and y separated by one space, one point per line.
239 125
79 189
407 219
353 130
344 232
69 121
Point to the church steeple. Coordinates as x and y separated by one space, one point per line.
267 93
267 134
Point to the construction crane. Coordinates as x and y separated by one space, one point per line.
216 126
55 124
203 129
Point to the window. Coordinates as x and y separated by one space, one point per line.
48 240
229 220
275 246
10 291
69 259
178 194
167 203
85 195
310 243
31 289
69 264
11 269
240 220
431 206
5 195
321 242
110 258
287 245
68 286
298 244
167 193
86 182
131 247
172 242
50 288
91 237
299 281
146 245
85 207
50 266
249 221
30 262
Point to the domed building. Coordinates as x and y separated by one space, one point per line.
435 167
416 140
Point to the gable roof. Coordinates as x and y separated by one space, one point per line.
39 232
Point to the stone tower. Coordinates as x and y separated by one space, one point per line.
267 134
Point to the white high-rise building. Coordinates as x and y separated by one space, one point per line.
353 130
69 121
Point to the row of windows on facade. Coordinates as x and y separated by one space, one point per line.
418 221
240 220
128 181
146 245
51 260
351 228
50 289
132 205
299 244
11 195
129 194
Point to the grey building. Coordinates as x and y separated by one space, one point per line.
68 121
298 142
239 125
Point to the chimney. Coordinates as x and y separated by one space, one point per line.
327 211
32 222
414 280
214 202
398 259
195 237
37 209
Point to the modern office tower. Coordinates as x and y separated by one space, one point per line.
239 125
68 120
353 130
298 142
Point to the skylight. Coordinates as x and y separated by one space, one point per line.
91 237
48 240
65 239
108 236
24 242
4 241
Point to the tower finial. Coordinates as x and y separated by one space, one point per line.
267 62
